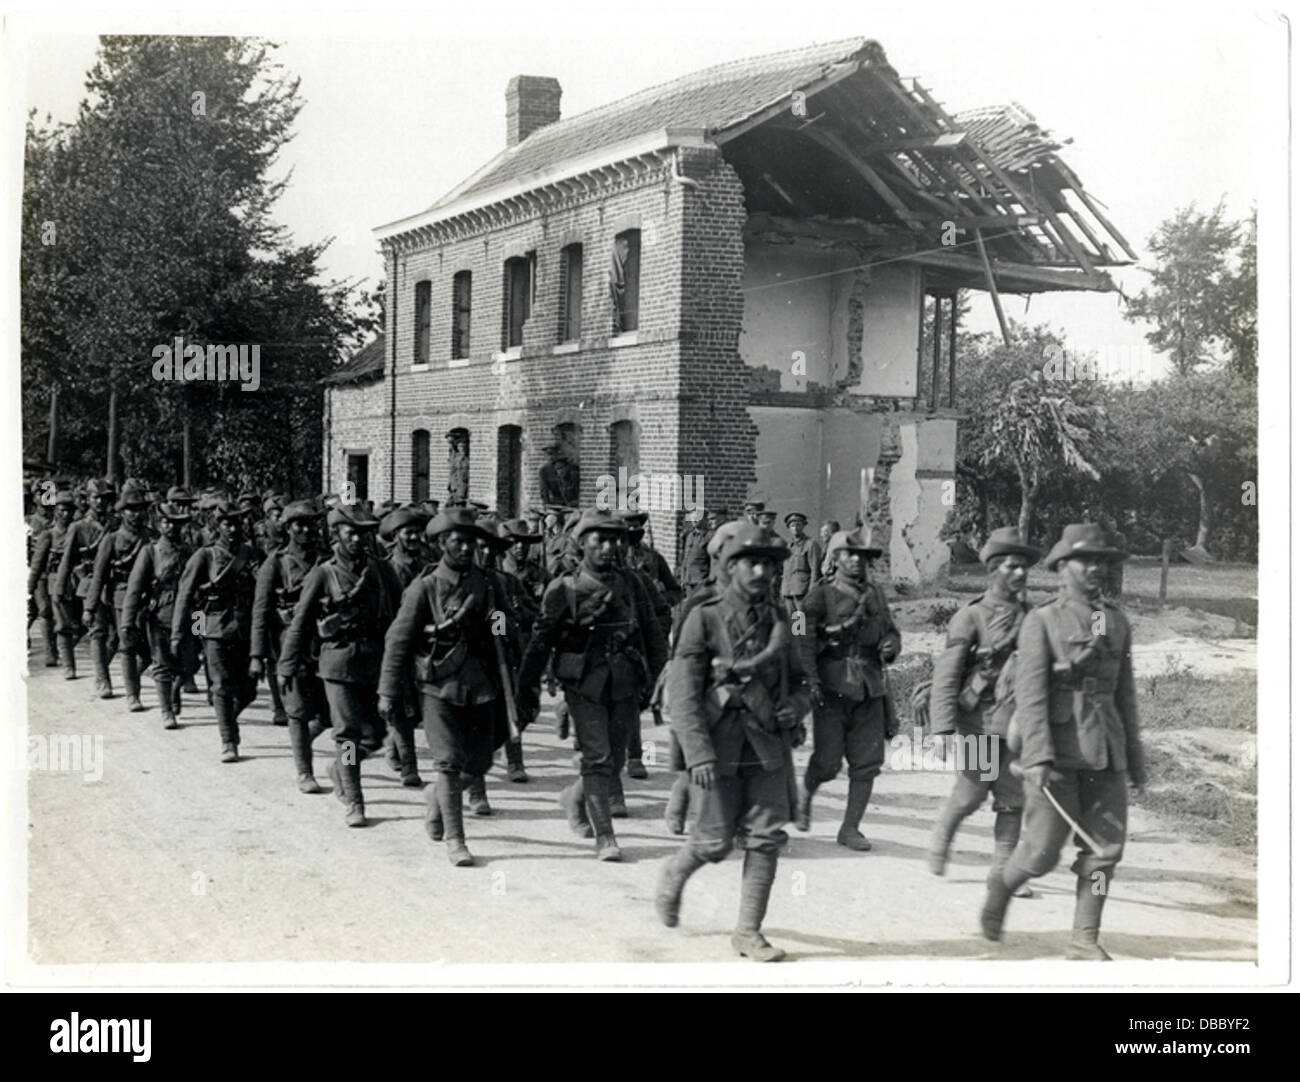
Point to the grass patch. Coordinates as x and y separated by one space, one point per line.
1182 701
1206 812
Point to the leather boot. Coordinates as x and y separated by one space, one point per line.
994 912
51 645
164 686
596 789
859 796
99 662
672 879
407 767
617 801
393 753
131 678
515 762
572 800
803 811
679 802
1006 835
224 708
476 786
68 655
301 744
1089 898
433 813
176 700
189 686
950 817
755 887
349 773
448 790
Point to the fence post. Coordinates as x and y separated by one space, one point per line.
1166 549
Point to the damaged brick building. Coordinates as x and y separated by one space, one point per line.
718 282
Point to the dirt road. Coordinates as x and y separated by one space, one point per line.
171 856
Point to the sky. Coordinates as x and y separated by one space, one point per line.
1161 103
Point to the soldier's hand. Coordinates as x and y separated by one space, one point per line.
888 651
786 716
286 685
387 709
702 776
798 735
1038 775
175 645
255 669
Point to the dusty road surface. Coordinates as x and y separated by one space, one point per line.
171 856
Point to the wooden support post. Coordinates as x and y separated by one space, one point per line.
938 336
993 286
1166 551
952 351
52 444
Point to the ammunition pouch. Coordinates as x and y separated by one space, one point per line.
429 669
569 667
977 688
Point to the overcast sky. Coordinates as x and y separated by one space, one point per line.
1161 108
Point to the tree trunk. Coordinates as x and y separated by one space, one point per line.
1203 519
52 447
187 470
1028 497
111 468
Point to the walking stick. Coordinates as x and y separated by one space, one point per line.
1018 770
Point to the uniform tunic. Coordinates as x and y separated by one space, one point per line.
150 601
279 586
802 569
1083 724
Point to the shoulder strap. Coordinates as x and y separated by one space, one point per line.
332 578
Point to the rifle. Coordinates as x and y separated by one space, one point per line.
507 685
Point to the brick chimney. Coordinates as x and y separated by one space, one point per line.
532 102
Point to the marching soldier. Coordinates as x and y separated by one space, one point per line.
279 587
665 594
215 598
519 562
694 564
607 646
803 567
849 637
1076 731
754 507
72 586
346 605
444 629
521 609
732 709
113 562
404 526
981 637
150 603
44 569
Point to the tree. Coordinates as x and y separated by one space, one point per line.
162 192
1202 297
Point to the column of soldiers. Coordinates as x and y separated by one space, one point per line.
451 620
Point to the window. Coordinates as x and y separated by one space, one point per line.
419 465
510 466
458 466
422 313
571 293
518 298
359 476
625 280
624 447
460 306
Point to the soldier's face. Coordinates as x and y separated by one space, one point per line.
850 563
1085 573
409 538
519 550
825 534
1013 573
797 527
299 531
131 516
63 514
231 530
752 577
103 504
166 527
351 540
458 548
713 522
598 547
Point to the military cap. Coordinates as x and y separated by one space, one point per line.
1084 539
133 495
722 535
858 540
755 503
636 520
352 514
97 487
768 514
176 512
517 530
401 517
596 519
298 510
64 498
223 509
271 503
154 495
456 518
795 515
1006 541
179 494
755 542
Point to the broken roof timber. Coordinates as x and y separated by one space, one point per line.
968 273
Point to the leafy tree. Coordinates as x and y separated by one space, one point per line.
1202 293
